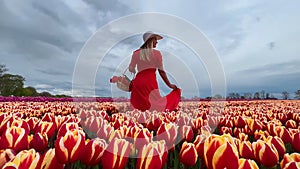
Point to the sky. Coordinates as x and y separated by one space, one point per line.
59 46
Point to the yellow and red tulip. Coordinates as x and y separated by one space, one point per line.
105 131
39 142
247 164
284 134
296 141
265 153
5 156
239 122
14 138
199 145
278 144
45 127
186 133
116 134
197 124
288 159
154 122
245 150
222 154
32 122
69 147
212 144
291 124
188 154
152 155
167 132
24 159
116 154
49 161
93 151
67 127
142 137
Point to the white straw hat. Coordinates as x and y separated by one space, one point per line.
149 34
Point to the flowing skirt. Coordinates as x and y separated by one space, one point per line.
145 94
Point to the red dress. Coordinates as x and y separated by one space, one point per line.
145 94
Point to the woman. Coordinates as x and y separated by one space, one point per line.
145 94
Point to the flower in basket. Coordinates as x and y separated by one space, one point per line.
114 79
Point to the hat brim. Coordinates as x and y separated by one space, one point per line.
158 37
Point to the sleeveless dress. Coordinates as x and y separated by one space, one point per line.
145 94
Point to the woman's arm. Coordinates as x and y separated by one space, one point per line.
163 75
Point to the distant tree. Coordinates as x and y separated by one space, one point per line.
267 95
262 94
29 91
285 95
297 94
3 69
247 95
218 96
45 94
11 85
256 95
231 95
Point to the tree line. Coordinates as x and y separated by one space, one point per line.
262 95
13 85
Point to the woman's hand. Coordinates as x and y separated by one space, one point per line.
172 86
132 70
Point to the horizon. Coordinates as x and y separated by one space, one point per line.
254 44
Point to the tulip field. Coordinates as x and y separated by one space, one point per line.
61 133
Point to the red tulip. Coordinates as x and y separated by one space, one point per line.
14 138
116 155
225 130
142 137
291 124
105 131
167 132
296 141
39 142
284 134
239 122
292 165
242 137
152 155
6 120
197 124
289 158
186 133
45 127
24 159
223 153
20 123
93 151
266 153
5 156
67 127
199 145
271 129
188 154
260 135
69 147
245 150
212 144
116 134
32 122
49 161
278 144
247 164
154 122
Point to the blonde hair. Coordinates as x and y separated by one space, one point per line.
146 50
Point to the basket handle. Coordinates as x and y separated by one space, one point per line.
127 69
